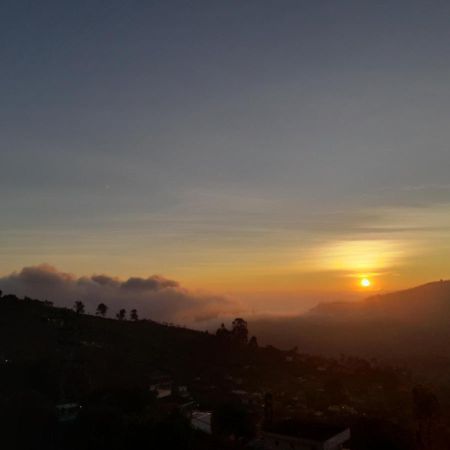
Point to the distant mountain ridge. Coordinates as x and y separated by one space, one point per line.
409 323
429 301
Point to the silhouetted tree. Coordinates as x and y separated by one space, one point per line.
253 343
268 409
134 315
1 293
102 309
121 314
223 333
426 410
239 331
79 307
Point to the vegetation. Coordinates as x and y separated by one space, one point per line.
134 315
52 356
121 314
79 307
102 309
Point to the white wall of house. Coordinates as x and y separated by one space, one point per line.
201 420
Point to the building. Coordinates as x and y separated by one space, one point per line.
201 420
161 386
294 435
182 391
67 412
161 390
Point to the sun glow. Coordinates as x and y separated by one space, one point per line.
360 255
365 282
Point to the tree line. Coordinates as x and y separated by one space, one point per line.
238 333
102 310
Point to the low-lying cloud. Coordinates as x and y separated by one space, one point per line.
156 297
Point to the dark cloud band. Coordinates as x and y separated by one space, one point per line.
156 297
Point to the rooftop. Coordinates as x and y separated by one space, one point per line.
305 430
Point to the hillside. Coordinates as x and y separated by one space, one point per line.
32 331
405 324
50 356
417 305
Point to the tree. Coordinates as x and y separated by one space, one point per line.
134 315
79 307
268 409
121 314
239 331
102 309
426 411
223 333
253 343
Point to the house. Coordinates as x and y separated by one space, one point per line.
161 386
187 408
182 391
294 435
67 412
201 420
161 390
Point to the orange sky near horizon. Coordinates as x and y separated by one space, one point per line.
289 273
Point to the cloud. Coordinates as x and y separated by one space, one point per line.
155 297
154 283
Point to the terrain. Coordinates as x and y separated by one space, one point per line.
412 324
54 356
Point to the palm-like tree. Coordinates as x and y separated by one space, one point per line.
79 307
134 315
121 314
102 309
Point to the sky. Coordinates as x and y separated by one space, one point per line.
265 154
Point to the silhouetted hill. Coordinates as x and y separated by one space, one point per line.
409 323
51 356
417 305
82 352
105 351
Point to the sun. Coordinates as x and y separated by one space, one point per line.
365 282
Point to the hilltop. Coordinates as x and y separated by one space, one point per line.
413 323
420 304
